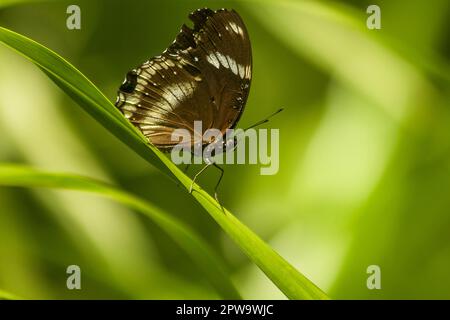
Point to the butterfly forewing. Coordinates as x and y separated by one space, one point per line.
204 75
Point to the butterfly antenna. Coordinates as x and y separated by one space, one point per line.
264 120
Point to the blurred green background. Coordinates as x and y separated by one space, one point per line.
364 157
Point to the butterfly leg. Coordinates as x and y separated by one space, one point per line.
217 185
196 176
218 182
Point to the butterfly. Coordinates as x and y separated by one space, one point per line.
204 75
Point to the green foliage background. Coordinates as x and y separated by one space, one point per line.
364 158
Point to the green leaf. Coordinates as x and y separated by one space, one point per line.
289 280
196 248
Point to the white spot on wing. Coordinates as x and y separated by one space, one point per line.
222 60
218 59
169 63
241 71
211 58
127 114
132 101
233 65
234 27
248 72
129 107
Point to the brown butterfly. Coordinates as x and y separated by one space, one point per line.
204 75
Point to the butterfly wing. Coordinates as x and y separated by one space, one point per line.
203 76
